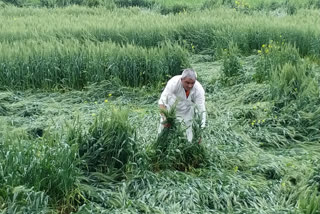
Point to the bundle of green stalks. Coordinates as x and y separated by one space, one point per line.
110 143
172 150
232 68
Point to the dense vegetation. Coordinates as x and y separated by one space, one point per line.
79 117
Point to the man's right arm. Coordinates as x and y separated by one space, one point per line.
168 91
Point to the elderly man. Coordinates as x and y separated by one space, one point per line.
188 93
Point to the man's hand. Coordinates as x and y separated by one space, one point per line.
203 126
167 125
163 118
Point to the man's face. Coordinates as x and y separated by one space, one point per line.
187 83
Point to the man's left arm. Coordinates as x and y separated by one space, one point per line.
200 102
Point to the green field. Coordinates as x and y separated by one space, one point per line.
79 85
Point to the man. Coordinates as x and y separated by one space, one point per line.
188 93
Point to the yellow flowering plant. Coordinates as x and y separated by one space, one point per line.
274 55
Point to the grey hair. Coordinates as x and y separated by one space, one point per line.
190 73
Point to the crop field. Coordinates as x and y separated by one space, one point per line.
79 88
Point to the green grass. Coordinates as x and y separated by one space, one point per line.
231 61
272 5
294 83
273 56
174 6
72 64
209 33
240 174
67 151
109 143
37 173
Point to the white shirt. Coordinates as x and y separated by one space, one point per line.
174 91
